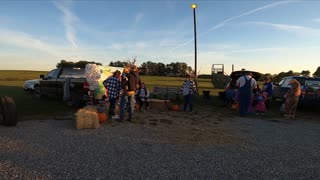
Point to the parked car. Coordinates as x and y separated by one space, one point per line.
29 85
52 84
310 89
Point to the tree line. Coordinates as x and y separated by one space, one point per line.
80 64
307 73
177 69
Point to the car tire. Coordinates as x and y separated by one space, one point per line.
9 111
37 93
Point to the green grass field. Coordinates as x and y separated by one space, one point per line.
16 75
11 85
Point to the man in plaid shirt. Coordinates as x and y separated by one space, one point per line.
188 90
112 84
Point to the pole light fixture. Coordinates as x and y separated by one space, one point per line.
194 6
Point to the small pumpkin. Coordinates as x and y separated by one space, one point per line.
102 117
175 107
235 106
137 106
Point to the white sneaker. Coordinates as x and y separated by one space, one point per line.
115 117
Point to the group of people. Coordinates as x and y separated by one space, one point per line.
251 98
126 88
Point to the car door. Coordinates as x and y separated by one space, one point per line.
48 84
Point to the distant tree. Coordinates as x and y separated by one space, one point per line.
305 73
118 63
169 69
161 69
81 63
143 69
317 73
151 68
290 73
277 78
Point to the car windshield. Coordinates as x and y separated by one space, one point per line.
51 74
285 82
73 72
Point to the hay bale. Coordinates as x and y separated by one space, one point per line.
87 118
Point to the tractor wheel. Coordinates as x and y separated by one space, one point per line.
9 112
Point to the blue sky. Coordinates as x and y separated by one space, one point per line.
266 36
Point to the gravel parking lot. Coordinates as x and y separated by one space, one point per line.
208 147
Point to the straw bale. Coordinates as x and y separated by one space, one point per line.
87 118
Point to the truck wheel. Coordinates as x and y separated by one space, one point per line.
9 112
37 92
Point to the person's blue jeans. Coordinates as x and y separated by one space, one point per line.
113 102
123 102
132 103
244 103
188 100
129 101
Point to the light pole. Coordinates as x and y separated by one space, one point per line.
194 6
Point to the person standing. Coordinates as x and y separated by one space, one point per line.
267 90
246 85
292 98
130 85
124 88
188 90
112 84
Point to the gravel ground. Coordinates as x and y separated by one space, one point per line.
53 149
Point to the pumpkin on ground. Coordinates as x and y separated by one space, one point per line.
137 106
102 117
175 107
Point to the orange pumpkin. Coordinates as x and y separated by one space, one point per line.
175 107
235 106
102 117
137 106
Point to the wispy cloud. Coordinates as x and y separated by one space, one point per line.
138 17
36 45
69 21
268 6
226 21
301 30
23 40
